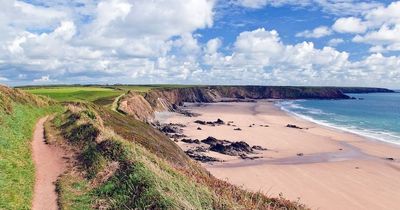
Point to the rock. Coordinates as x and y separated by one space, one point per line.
200 157
210 123
242 146
300 154
233 149
176 135
390 158
237 129
200 149
219 122
256 147
198 128
245 157
177 125
293 126
213 141
170 129
176 140
191 141
201 122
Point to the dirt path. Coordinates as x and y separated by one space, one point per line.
49 164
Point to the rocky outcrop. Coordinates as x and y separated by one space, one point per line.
143 105
134 104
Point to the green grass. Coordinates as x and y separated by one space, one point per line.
145 169
141 181
147 88
71 93
16 166
103 94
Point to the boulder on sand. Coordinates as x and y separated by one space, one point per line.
233 149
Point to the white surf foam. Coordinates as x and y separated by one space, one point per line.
380 135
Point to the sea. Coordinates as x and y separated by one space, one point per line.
373 115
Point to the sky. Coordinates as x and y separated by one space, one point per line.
241 42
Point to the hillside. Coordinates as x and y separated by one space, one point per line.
124 163
19 112
115 162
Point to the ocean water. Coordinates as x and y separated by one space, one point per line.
377 116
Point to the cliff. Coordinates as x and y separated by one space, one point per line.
143 105
365 90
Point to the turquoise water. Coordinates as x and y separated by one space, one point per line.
376 116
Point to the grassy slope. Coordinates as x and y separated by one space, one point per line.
147 176
18 115
92 93
75 93
127 165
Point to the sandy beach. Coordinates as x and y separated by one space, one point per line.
321 167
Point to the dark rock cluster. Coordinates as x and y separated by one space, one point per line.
191 141
293 126
212 123
200 157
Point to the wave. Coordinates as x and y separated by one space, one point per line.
296 109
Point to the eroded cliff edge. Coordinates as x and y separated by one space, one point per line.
143 105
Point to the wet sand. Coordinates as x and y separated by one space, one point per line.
337 170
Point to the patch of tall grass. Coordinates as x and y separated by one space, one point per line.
16 167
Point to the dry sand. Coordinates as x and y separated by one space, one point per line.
49 164
338 170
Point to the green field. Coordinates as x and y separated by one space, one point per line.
75 93
102 95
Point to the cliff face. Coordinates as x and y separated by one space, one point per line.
137 106
365 90
142 107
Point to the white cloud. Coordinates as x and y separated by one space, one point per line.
316 33
255 4
384 15
379 27
156 42
213 45
336 7
261 56
349 25
43 79
335 42
123 37
385 35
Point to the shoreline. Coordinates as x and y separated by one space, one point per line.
346 167
336 127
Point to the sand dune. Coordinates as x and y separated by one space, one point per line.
337 170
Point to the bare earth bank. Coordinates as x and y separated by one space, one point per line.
336 170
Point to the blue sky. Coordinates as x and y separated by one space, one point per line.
263 42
